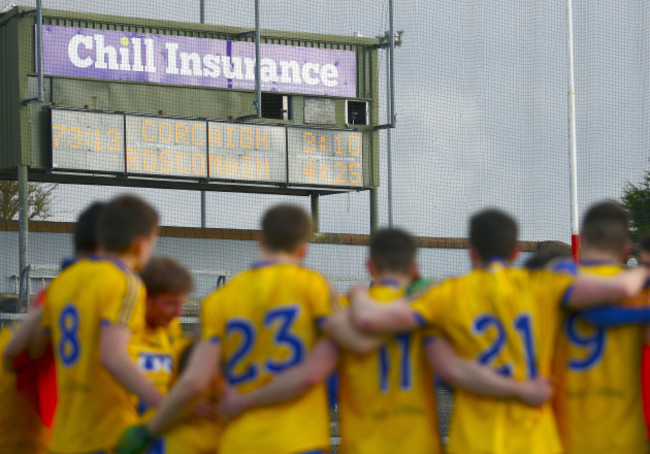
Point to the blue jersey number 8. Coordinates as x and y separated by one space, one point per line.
69 348
594 344
281 320
523 326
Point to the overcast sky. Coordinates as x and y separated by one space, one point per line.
481 109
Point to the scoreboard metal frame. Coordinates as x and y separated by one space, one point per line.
319 163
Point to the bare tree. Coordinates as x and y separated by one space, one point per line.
39 200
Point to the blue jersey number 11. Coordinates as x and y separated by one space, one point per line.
404 344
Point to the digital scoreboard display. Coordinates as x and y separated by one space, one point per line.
324 157
166 146
93 141
247 152
154 146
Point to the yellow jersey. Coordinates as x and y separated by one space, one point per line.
267 319
21 430
93 408
156 351
598 397
387 399
508 319
194 435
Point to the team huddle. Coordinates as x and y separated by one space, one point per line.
545 359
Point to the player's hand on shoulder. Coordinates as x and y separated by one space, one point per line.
134 440
206 409
536 391
231 403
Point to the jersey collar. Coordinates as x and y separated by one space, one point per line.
114 260
494 261
68 261
263 264
388 282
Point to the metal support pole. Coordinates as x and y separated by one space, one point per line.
315 211
258 62
374 210
23 232
203 195
391 55
39 48
573 159
389 148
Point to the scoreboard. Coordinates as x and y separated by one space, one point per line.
165 147
128 101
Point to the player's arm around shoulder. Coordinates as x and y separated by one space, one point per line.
480 379
370 316
340 327
588 290
319 365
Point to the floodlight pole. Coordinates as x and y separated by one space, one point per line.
203 194
389 146
23 236
315 211
573 160
39 48
258 63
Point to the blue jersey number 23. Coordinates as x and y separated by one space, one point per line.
522 325
280 320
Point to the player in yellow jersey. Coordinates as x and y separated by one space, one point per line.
158 350
264 321
599 400
35 379
21 429
503 317
90 310
387 401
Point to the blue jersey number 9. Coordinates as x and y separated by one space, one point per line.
593 343
522 325
281 321
68 347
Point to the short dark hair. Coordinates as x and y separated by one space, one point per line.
85 230
166 275
605 226
123 220
644 242
285 228
546 252
493 234
392 250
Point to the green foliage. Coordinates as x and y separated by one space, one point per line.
636 199
39 199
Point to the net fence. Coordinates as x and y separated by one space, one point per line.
481 105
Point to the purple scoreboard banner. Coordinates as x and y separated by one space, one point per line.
179 60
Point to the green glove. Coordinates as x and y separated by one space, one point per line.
134 440
418 287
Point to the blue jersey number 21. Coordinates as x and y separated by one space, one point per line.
280 320
522 325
